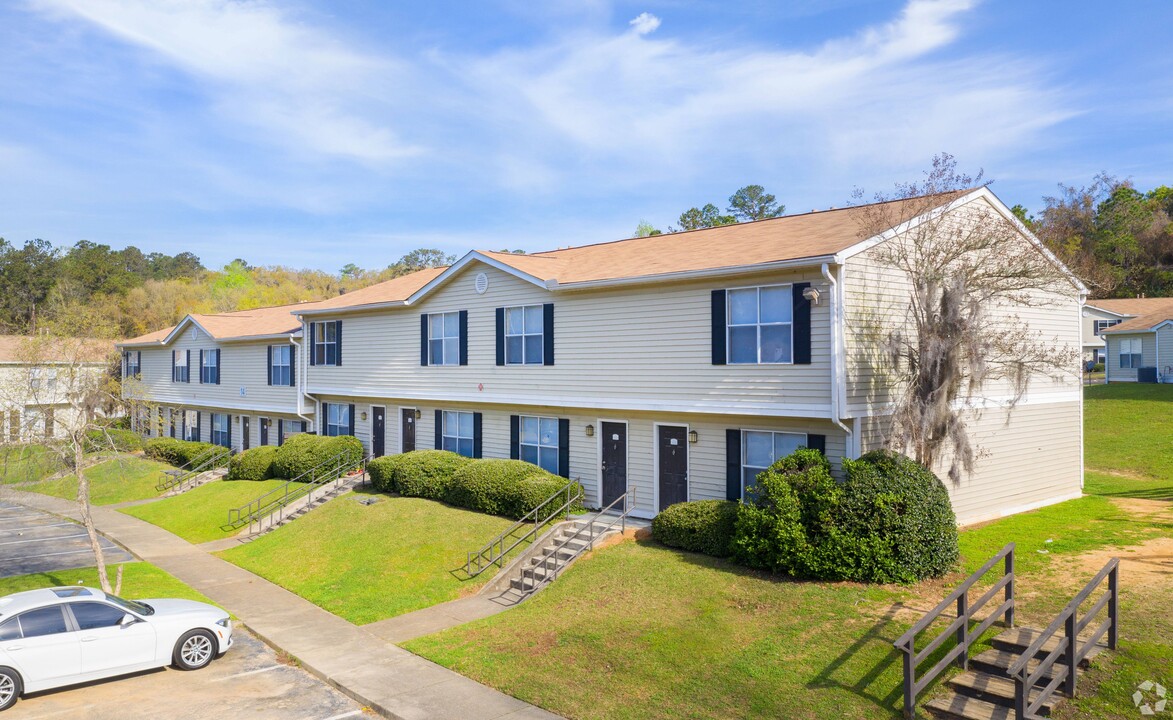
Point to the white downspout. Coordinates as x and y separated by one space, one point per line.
836 353
303 366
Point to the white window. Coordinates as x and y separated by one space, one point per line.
210 370
326 342
759 450
1130 352
761 325
133 363
1102 325
457 433
35 379
179 366
538 442
524 341
444 338
220 432
337 419
279 368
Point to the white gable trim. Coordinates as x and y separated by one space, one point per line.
470 257
178 330
1113 313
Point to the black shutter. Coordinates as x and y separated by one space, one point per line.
201 367
325 419
424 339
199 430
501 337
269 363
719 335
280 432
732 464
817 442
338 341
464 338
229 430
217 366
476 434
187 369
564 447
802 325
350 430
548 334
173 365
514 437
292 366
313 340
439 425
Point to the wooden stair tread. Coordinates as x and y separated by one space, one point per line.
952 705
996 689
1022 637
1001 660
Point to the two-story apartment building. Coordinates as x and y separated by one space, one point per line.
677 366
37 377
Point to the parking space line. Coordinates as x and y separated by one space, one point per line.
22 528
249 672
31 540
65 552
352 713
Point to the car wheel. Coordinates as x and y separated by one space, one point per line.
9 688
195 650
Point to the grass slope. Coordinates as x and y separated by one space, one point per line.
368 563
27 463
122 479
197 515
1128 437
139 580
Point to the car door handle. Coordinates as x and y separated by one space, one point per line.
15 647
88 638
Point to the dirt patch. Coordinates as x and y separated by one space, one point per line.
1149 564
1142 508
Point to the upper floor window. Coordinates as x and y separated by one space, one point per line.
759 450
538 442
326 343
42 379
761 325
338 418
1102 325
221 434
457 434
444 338
1130 352
133 363
179 369
524 338
280 365
210 367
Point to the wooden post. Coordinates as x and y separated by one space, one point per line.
909 683
1114 606
1070 654
1010 587
963 631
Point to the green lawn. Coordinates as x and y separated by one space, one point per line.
368 563
139 580
27 463
125 478
197 515
1128 437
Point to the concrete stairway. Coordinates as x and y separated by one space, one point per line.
202 479
551 555
299 507
985 691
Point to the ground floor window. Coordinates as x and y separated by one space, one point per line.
538 442
458 433
1130 353
191 425
759 450
220 432
337 419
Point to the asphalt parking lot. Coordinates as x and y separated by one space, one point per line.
32 541
249 681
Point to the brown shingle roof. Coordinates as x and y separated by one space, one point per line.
394 290
24 349
275 320
1150 313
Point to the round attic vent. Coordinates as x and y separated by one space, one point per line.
482 283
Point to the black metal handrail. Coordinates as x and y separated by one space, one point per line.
277 499
1069 648
959 628
551 557
494 552
209 459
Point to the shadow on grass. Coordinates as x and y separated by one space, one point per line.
1157 493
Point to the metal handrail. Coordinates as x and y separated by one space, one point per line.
207 460
550 576
277 499
959 628
494 552
1069 647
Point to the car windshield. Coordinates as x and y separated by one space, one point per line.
133 606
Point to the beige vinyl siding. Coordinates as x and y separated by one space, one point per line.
162 419
243 366
647 347
1148 356
1164 345
1028 457
706 457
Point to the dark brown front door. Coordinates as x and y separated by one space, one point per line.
378 428
264 431
244 434
672 446
408 429
614 461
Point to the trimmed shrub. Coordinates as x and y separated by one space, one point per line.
704 526
511 488
254 464
178 452
381 471
348 446
303 453
771 533
113 439
425 473
897 519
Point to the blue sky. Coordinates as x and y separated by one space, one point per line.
314 134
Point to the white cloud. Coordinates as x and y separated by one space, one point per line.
644 23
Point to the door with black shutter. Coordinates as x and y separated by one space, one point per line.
378 428
408 432
672 455
245 436
614 441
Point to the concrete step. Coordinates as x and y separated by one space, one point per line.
961 707
1018 639
992 689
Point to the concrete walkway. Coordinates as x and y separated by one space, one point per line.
368 668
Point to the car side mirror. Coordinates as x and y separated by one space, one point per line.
128 620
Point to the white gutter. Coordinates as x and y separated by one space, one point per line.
303 365
837 377
691 274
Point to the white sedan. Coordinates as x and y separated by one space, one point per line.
67 635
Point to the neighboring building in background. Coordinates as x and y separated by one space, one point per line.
1101 315
35 380
1139 346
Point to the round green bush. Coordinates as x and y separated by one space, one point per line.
180 453
425 473
704 526
99 440
511 488
306 457
381 471
254 464
897 515
347 448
